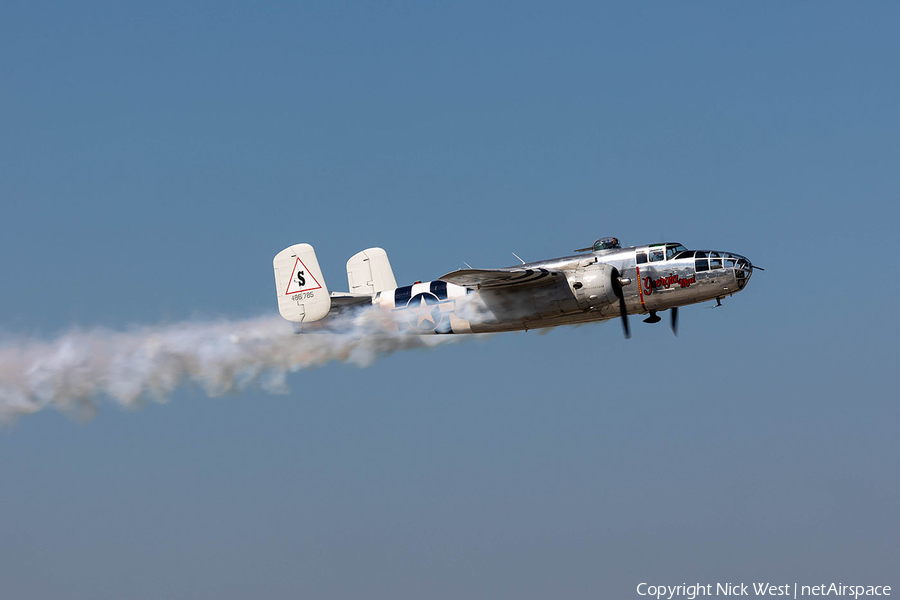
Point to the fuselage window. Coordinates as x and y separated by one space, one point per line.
657 255
439 289
701 264
641 258
401 296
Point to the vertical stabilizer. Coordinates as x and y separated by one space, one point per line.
369 272
299 285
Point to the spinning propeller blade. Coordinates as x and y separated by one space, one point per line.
623 309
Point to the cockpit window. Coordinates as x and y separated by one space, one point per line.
673 249
657 255
640 257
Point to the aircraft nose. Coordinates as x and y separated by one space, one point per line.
743 269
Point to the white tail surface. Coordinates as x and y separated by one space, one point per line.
300 285
369 272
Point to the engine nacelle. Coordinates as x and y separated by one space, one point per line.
594 285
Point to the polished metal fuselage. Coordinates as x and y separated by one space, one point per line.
650 286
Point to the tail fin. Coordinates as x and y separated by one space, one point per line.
370 271
299 285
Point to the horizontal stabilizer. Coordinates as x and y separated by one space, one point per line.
344 300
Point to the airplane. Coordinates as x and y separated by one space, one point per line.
600 282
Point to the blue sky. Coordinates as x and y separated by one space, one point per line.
153 160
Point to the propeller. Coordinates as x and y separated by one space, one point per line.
623 310
674 311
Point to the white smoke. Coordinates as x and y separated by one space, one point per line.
79 368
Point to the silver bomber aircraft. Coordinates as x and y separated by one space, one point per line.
600 282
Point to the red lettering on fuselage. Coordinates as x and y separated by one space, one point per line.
666 282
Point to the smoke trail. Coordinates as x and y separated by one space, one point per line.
72 372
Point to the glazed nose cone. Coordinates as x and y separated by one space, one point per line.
743 269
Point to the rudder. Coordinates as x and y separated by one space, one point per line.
300 285
369 272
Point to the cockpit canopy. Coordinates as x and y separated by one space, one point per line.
605 243
660 252
674 250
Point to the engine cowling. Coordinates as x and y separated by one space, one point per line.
594 285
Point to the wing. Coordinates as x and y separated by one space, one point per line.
502 278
